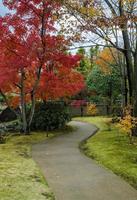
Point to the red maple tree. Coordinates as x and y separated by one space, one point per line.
34 64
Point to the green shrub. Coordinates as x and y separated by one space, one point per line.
50 116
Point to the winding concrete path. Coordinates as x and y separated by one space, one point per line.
73 176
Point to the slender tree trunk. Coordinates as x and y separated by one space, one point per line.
125 92
134 130
23 103
129 76
124 87
135 86
82 111
135 78
33 99
33 92
31 112
127 53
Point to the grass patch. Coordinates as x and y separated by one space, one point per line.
112 149
20 177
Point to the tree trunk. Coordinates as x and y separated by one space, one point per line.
82 111
125 92
110 99
33 99
32 111
129 66
33 92
127 53
124 87
135 86
23 103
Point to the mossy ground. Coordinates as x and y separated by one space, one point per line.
20 177
112 149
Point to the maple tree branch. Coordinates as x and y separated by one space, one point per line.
87 46
30 7
111 7
18 85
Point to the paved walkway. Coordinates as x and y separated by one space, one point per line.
73 176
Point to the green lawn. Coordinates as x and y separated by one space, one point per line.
112 149
20 177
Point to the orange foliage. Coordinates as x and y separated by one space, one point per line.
128 123
92 109
106 58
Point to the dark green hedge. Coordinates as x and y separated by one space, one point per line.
50 116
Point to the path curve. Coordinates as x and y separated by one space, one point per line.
73 176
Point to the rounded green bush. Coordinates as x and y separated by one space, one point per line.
50 115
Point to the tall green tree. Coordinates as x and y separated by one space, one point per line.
115 24
106 87
85 64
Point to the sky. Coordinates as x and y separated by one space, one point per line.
2 8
